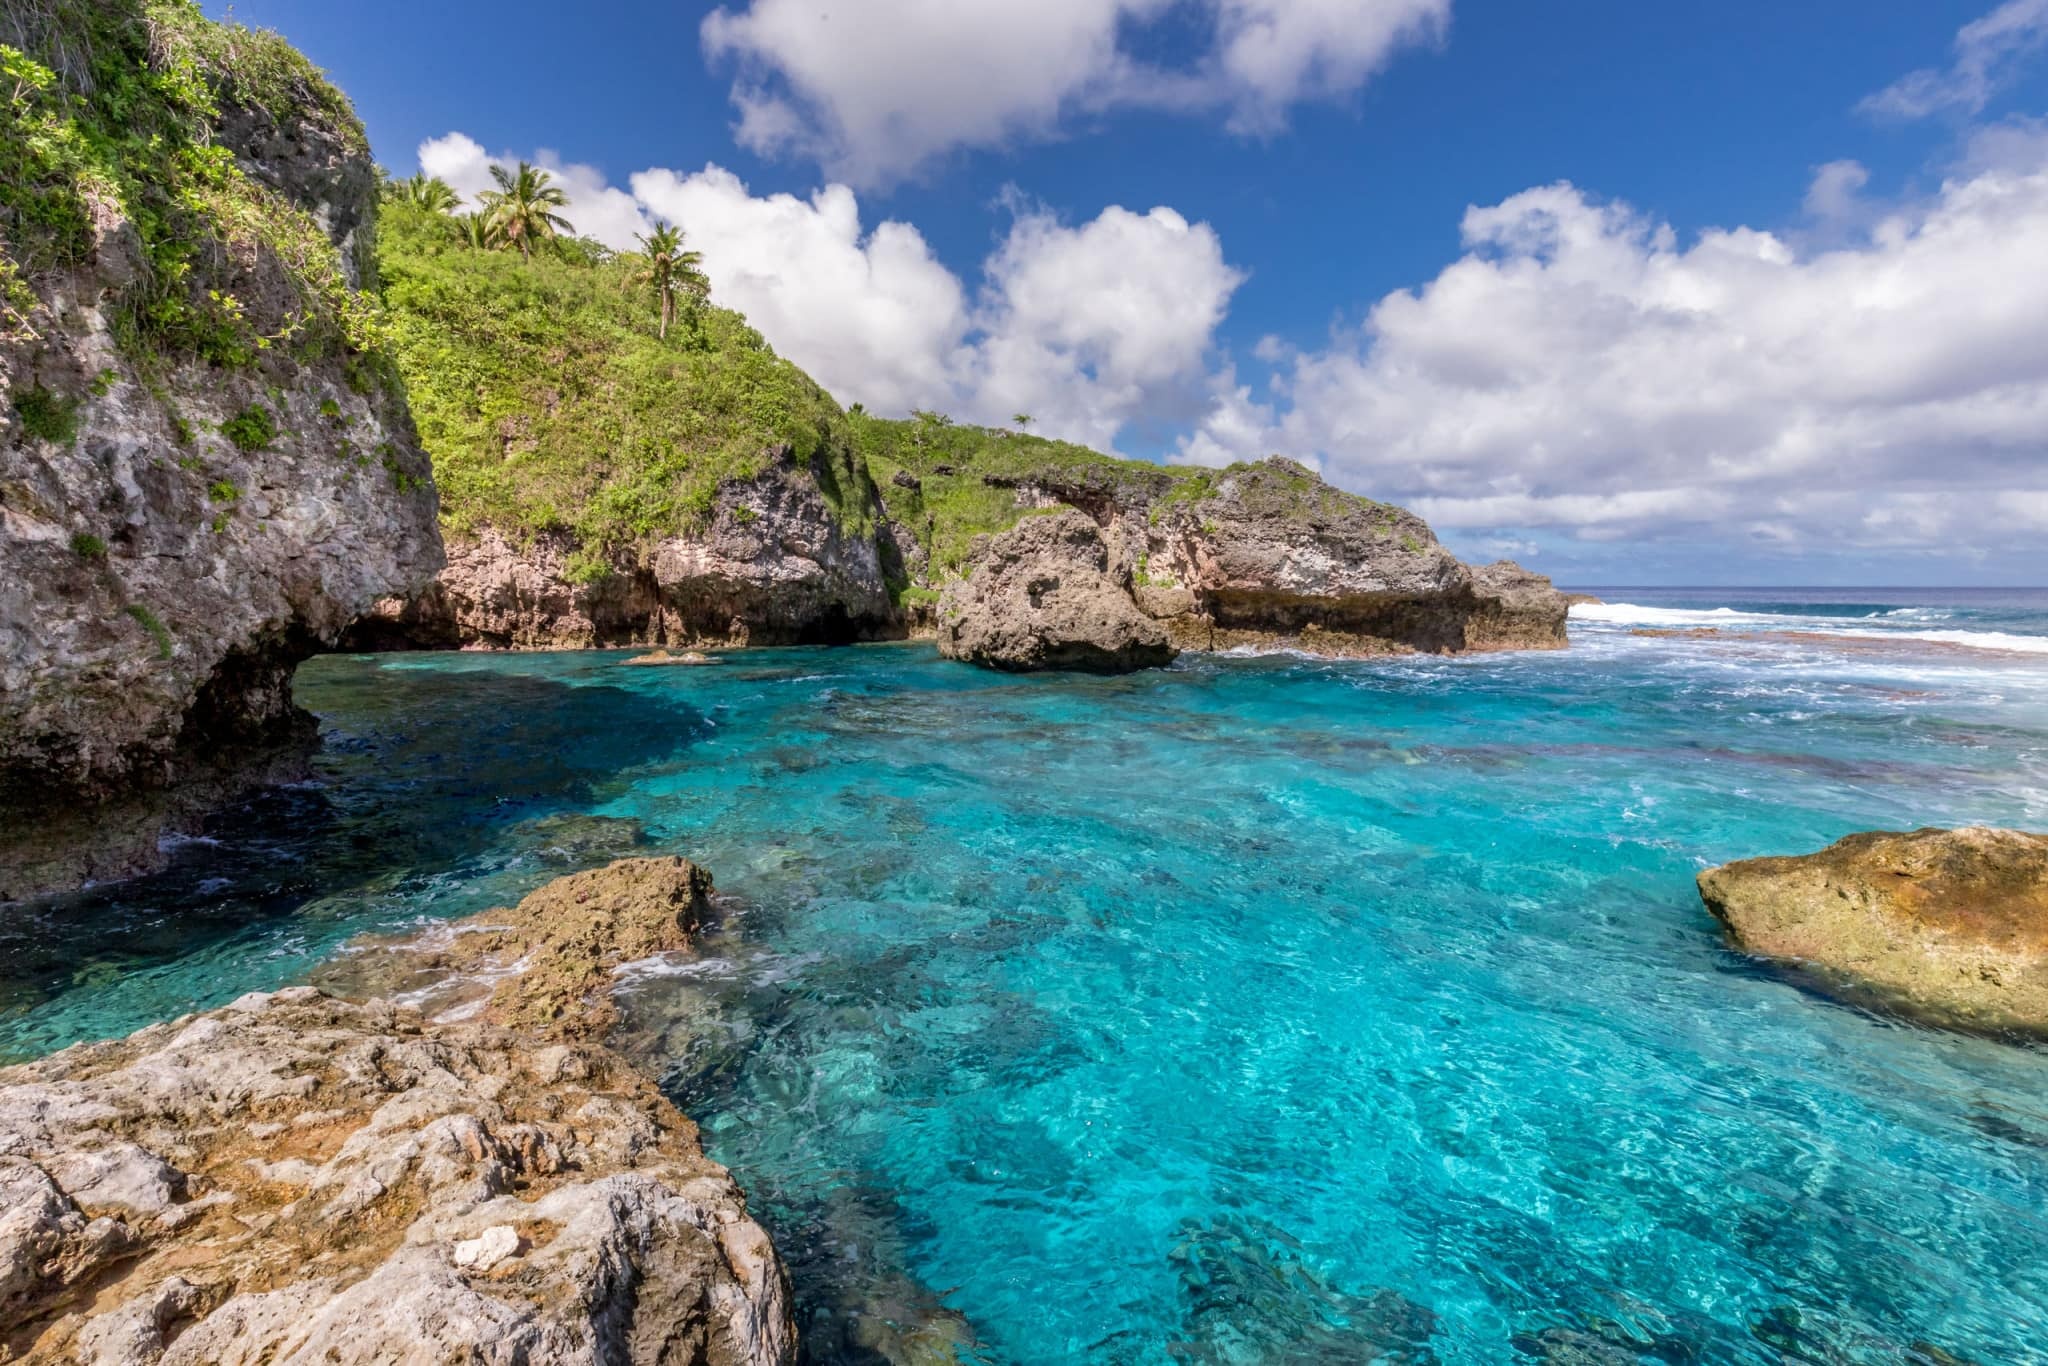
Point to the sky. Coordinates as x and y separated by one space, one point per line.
1743 293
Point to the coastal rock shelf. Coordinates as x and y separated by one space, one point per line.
299 1178
1950 926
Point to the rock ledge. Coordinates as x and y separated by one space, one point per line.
296 1178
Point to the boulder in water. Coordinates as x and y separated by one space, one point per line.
1949 926
1043 596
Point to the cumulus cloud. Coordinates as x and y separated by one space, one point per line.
1988 53
874 94
1090 327
1580 369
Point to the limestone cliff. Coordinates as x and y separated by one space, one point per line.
773 564
207 468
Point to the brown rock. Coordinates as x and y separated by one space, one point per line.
774 565
1950 926
296 1178
1042 596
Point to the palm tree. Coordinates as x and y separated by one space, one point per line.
477 231
1023 420
669 268
423 191
522 209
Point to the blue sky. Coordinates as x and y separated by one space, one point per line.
1302 190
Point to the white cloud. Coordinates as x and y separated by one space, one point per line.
1579 369
874 317
1988 53
876 94
1089 328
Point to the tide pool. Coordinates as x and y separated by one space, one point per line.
1255 1010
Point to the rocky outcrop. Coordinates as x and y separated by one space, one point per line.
185 517
775 564
1043 596
297 1179
1268 556
1949 926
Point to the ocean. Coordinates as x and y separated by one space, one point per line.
1259 1009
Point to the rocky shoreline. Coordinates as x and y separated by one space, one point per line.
471 1175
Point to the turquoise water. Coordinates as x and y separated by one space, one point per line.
1257 1010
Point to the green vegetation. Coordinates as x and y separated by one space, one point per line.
423 191
521 211
251 429
157 630
113 104
87 546
47 415
671 270
223 491
967 477
549 399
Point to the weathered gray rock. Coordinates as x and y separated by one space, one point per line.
1042 595
1950 926
1270 556
160 580
775 565
1267 556
298 1179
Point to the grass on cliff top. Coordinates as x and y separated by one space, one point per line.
113 104
950 508
548 402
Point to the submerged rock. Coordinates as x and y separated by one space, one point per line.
297 1178
1043 596
1950 926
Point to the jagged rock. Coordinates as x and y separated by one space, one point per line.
1268 555
1517 609
299 1179
775 565
1042 596
158 579
1950 926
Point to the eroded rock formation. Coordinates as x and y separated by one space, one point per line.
1950 926
775 565
1043 595
297 1178
1268 556
183 520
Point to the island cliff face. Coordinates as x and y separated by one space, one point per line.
207 468
773 565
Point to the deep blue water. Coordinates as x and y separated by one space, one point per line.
1255 1010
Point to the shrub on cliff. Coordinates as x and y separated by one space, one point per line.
549 400
110 109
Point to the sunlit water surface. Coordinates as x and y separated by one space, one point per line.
1257 1010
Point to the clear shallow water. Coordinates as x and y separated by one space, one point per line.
1256 1010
